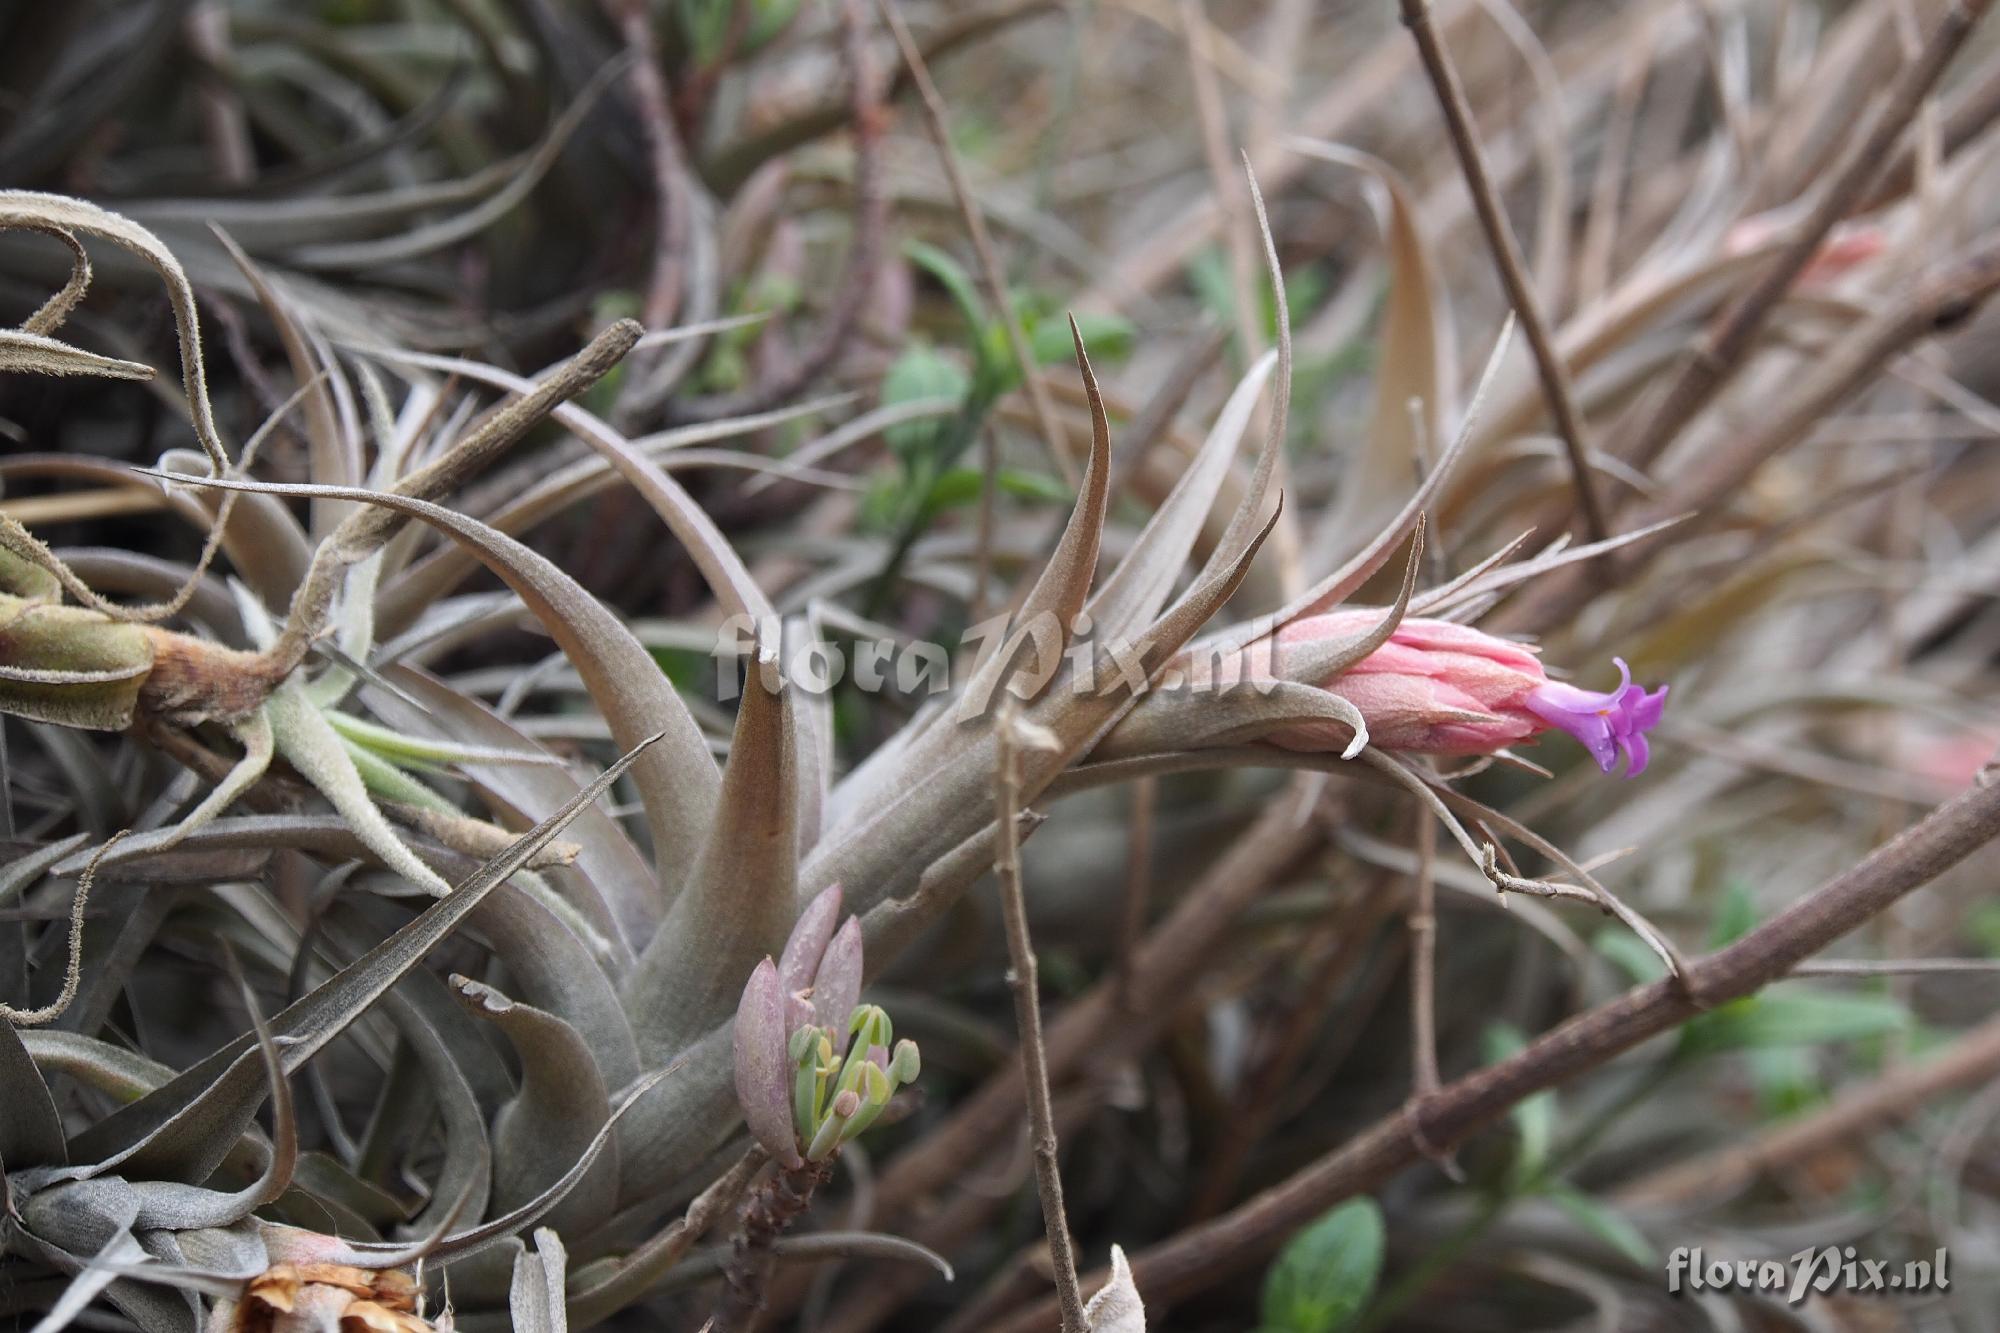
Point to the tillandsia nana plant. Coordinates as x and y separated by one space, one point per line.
432 899
629 991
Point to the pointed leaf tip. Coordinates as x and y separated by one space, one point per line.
837 985
809 937
1116 1308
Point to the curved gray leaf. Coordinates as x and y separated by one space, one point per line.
741 901
678 781
1142 581
1169 720
31 1132
562 1104
195 1118
617 874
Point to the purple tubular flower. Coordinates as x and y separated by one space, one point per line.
1606 723
763 1064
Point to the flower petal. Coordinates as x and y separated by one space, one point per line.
1637 753
1607 723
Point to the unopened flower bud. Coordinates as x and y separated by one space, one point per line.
812 1062
905 1065
877 1087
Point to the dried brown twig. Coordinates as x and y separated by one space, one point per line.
864 114
1941 302
1201 1255
936 123
1903 1091
1720 353
636 1271
1422 922
672 188
1556 386
1138 887
1012 733
1092 1032
768 1213
1351 928
734 164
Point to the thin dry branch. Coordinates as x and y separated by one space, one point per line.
991 275
224 126
1239 226
1351 930
1200 1256
1422 923
733 165
1011 734
653 101
1721 351
1905 1090
1556 386
636 1273
1138 888
1938 304
1091 1032
864 114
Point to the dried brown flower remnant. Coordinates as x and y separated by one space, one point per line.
287 1297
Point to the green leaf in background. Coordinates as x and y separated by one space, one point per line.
614 303
770 17
1108 338
1326 1273
688 669
1629 954
955 280
1607 1224
1209 276
1024 484
1984 928
1534 1118
961 486
921 372
726 367
1787 1079
1795 1016
1734 915
605 308
882 502
705 25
